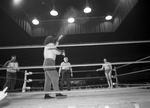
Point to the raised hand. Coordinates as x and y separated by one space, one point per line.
3 93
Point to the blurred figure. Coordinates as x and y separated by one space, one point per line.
3 93
107 67
12 67
66 71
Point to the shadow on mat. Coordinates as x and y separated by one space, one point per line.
4 103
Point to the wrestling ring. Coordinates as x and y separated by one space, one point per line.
122 95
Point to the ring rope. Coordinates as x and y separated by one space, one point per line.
134 84
131 63
11 78
76 45
81 87
73 71
139 71
97 85
78 91
79 65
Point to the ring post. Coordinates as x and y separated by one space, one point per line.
25 82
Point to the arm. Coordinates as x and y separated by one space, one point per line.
110 66
57 52
57 42
100 68
6 64
70 70
60 70
54 49
17 66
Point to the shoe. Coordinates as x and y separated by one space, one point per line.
48 97
60 96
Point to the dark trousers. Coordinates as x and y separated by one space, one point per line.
65 77
10 81
51 76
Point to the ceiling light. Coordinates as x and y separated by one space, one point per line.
35 21
53 12
87 10
108 17
71 20
17 2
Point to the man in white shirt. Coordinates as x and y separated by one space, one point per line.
66 70
108 72
51 75
12 67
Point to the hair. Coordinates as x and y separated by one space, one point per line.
105 59
49 39
13 56
66 57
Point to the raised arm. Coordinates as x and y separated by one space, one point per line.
6 64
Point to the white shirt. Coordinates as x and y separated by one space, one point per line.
12 67
66 65
51 53
107 66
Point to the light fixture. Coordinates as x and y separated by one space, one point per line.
53 12
108 17
87 8
35 21
17 2
71 20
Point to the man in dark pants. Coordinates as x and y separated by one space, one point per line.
51 75
66 70
12 67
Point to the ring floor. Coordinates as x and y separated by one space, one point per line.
88 98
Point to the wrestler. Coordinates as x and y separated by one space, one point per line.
51 75
66 70
12 67
107 67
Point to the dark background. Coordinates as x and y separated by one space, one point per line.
134 27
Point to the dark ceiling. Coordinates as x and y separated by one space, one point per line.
93 22
41 8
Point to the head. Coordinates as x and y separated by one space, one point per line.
13 58
65 59
49 39
105 60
